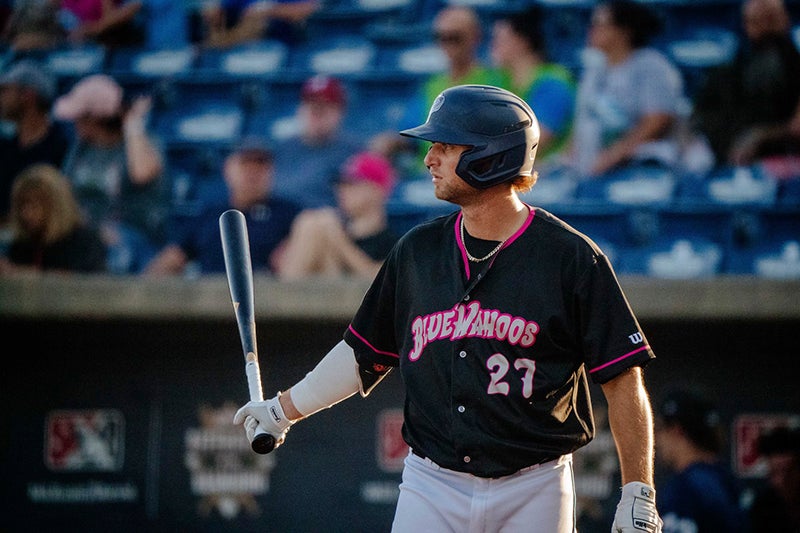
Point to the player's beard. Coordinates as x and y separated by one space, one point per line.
455 190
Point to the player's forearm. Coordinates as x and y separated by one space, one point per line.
334 379
631 420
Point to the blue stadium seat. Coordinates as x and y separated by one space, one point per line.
789 193
417 60
152 64
711 222
264 58
643 185
772 260
674 259
152 72
69 64
339 55
557 185
351 17
729 186
199 122
700 49
603 224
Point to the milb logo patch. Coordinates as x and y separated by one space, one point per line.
89 440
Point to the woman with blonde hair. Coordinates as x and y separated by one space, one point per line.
47 228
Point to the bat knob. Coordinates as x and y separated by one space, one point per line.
263 443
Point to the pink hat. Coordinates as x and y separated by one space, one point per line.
371 167
325 88
97 96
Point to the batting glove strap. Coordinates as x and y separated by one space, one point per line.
267 414
636 510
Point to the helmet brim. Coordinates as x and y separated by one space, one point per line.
441 134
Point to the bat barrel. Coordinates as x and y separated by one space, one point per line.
239 269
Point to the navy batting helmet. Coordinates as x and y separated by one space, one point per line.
500 127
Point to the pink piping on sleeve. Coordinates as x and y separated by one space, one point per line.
601 367
354 332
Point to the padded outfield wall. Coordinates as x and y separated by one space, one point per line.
118 396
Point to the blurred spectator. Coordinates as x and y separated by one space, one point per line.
307 164
352 240
34 25
629 94
233 22
195 239
27 91
750 108
459 34
111 23
116 169
518 49
776 508
701 495
47 228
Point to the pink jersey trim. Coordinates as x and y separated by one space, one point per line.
601 367
461 246
365 341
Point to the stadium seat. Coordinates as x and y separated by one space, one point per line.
556 185
341 56
634 186
351 17
264 58
152 72
698 50
152 64
417 60
69 64
674 259
607 224
199 122
729 186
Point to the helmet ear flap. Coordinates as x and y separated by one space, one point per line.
483 171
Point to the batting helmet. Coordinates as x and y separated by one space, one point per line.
500 127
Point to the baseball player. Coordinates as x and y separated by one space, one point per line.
496 315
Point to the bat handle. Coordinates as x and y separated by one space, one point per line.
263 442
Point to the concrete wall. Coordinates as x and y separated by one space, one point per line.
119 396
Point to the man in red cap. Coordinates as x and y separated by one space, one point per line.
351 240
307 164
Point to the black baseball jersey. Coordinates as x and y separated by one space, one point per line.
495 355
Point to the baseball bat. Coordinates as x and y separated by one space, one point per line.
239 270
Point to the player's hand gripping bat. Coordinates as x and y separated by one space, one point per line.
239 270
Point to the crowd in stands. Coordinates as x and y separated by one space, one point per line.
626 107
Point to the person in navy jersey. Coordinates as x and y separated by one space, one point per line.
701 494
194 242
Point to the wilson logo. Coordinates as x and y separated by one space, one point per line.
636 338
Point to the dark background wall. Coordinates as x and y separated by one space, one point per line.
154 384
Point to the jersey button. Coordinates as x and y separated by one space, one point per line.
467 458
461 408
462 354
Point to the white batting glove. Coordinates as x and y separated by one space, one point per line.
268 415
636 510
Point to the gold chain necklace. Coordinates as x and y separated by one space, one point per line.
485 257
